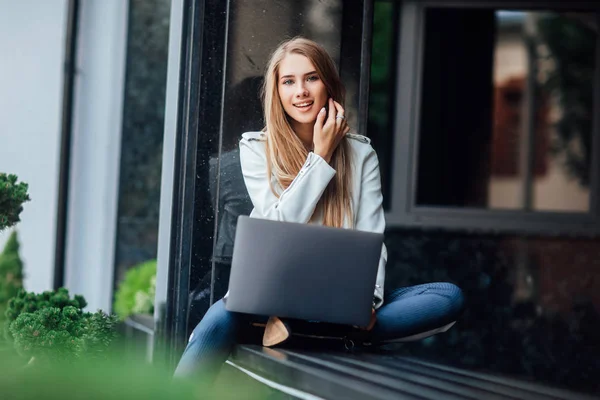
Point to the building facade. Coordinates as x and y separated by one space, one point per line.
482 115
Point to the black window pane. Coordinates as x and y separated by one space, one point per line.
142 135
506 114
380 126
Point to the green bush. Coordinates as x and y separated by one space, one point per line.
11 272
135 294
12 197
52 327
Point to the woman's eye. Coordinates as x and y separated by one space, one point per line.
288 82
312 78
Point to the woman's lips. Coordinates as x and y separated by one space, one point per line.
304 106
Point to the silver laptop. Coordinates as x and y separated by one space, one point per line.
303 271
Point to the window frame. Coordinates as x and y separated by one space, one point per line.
403 210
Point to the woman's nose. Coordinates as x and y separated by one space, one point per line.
301 90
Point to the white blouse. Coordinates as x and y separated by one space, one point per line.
297 203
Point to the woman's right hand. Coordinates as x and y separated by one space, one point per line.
328 133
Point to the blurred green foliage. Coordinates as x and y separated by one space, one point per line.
381 62
572 48
121 375
135 294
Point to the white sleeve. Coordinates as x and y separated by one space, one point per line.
370 216
297 203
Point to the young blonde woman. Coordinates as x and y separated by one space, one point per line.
306 166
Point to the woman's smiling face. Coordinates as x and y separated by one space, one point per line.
301 90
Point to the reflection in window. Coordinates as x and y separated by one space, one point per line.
506 115
382 85
142 135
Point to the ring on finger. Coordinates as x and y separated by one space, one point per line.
340 116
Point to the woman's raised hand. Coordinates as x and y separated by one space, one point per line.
329 130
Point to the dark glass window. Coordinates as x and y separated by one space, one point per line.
506 109
380 125
532 303
142 135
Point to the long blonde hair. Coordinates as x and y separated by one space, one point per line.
285 152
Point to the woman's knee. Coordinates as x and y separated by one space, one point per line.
456 296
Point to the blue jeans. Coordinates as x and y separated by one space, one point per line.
406 311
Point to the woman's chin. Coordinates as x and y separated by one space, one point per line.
305 119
